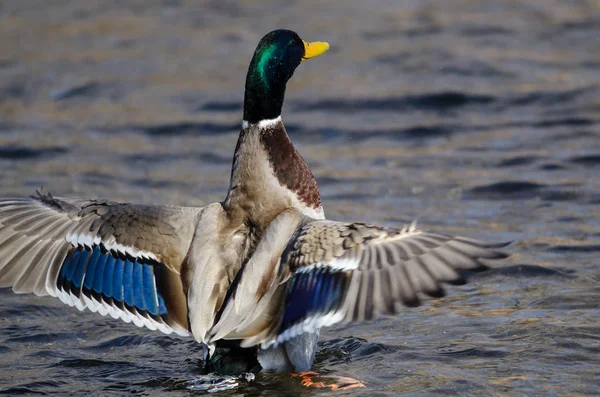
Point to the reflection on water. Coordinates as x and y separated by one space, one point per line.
477 118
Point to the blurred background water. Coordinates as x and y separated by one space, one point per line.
479 118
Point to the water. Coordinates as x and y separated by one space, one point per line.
476 118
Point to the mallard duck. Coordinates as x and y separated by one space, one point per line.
263 267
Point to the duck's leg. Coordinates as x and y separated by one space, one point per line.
301 350
274 359
206 352
296 354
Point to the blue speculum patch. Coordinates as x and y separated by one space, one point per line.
313 293
124 280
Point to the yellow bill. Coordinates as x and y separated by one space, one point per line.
314 49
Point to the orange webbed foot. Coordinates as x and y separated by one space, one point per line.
333 382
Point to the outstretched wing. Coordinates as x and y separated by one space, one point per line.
352 272
329 272
111 258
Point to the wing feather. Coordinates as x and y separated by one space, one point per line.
51 246
381 270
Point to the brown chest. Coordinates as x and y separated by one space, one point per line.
270 176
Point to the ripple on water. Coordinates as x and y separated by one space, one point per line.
551 167
410 133
186 129
47 354
505 190
119 341
564 122
530 270
580 248
29 153
521 190
349 349
158 183
34 388
431 102
153 158
99 178
7 63
84 90
213 383
581 301
518 161
216 106
37 335
465 351
547 98
89 363
591 160
386 34
489 30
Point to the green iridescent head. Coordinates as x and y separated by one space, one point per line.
277 56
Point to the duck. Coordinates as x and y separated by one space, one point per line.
263 268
